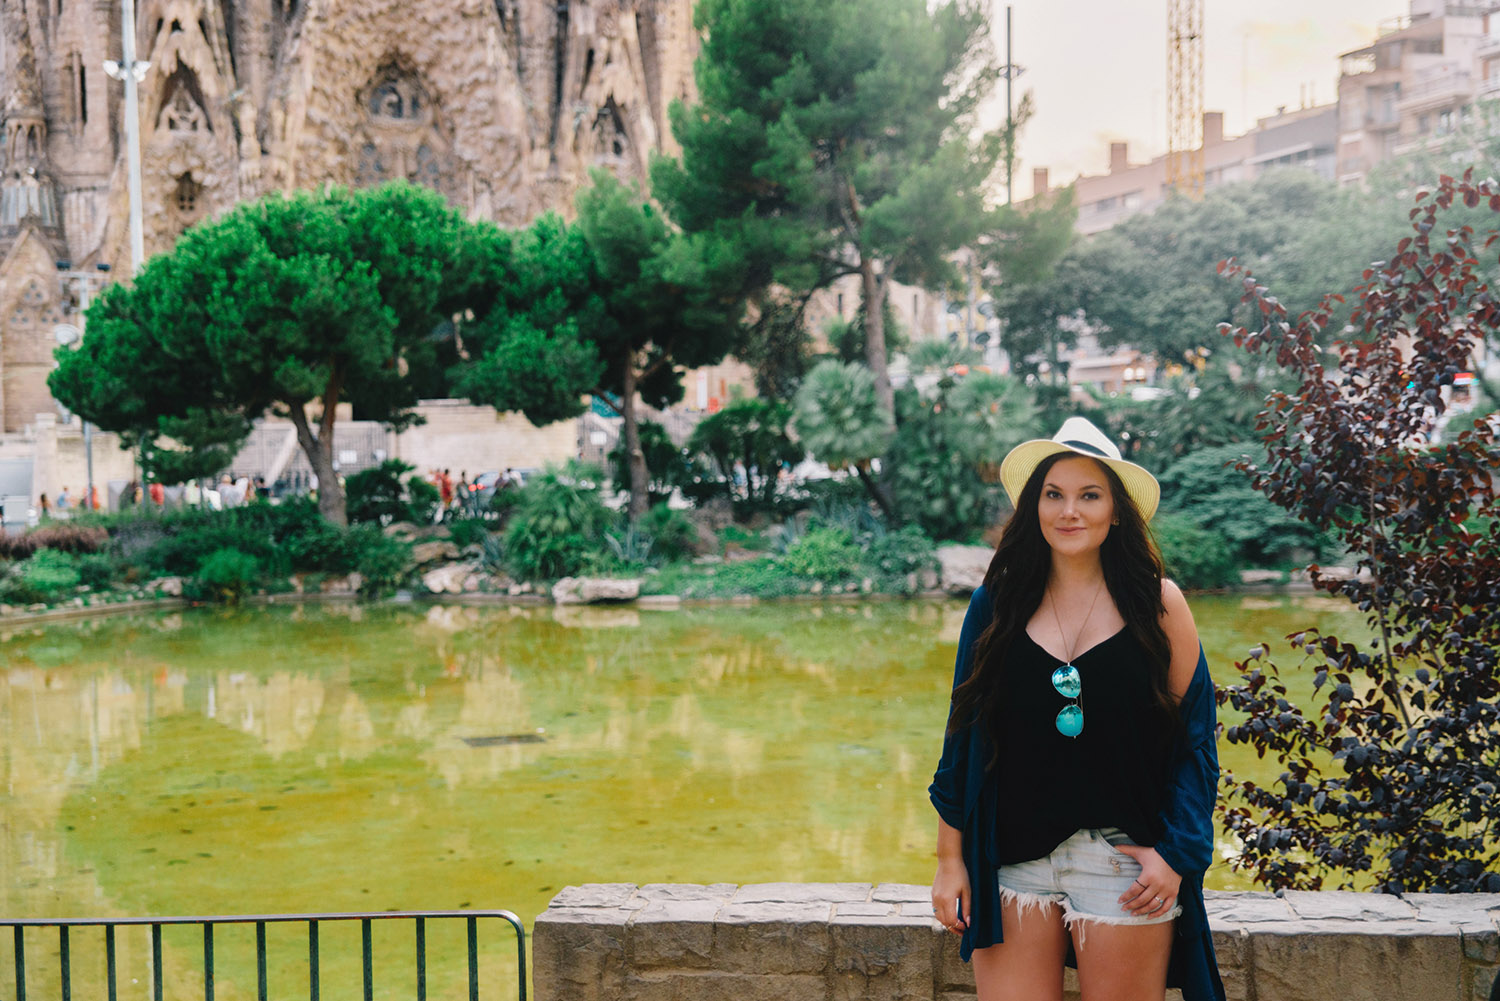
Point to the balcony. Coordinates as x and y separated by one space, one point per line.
1445 86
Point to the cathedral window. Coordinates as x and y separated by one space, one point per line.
612 140
182 107
83 93
187 194
396 97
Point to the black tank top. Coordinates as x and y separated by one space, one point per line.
1113 774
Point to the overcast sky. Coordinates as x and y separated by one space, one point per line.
1097 70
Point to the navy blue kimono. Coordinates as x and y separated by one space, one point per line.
966 802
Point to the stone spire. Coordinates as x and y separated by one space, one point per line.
25 97
26 192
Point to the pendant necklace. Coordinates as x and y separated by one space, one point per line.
1066 680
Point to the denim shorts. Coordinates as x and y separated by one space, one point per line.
1086 875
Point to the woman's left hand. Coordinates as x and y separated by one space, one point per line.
1154 893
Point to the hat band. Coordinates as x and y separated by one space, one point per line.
1084 446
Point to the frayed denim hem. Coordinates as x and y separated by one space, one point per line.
1072 918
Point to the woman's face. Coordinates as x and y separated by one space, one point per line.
1076 508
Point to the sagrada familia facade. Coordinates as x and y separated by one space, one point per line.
501 105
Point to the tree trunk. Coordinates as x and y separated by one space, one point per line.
873 287
319 451
876 493
635 457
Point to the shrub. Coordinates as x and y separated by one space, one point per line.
389 493
672 534
16 547
896 554
100 570
1390 767
1197 558
69 538
466 532
825 554
383 561
1205 486
753 433
558 523
226 574
47 575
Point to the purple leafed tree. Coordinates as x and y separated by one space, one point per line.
1391 770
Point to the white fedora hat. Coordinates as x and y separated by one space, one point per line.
1079 436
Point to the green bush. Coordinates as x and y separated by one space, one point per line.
46 576
389 493
743 538
100 571
896 554
672 535
383 561
1205 486
466 532
226 575
825 554
558 525
1196 558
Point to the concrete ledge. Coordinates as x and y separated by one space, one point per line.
879 942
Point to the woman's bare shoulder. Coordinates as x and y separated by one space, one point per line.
1182 632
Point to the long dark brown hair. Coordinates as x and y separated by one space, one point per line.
1017 580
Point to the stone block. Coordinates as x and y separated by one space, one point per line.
880 959
594 895
1483 987
861 909
918 909
771 937
953 974
716 985
672 933
654 892
1232 952
591 590
1312 963
1481 945
802 892
578 955
1348 905
902 893
963 567
1244 908
431 552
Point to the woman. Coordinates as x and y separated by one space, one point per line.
1076 786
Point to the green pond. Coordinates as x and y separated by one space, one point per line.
364 758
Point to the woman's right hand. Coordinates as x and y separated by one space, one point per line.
950 894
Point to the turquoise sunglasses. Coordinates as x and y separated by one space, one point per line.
1070 686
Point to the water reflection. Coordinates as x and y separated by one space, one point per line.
340 757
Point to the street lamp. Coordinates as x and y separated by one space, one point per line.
1010 71
69 335
131 73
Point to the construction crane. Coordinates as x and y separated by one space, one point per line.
1185 97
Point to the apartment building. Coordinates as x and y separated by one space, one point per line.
1416 82
1304 138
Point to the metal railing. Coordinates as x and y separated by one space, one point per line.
65 926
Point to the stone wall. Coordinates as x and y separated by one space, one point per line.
841 941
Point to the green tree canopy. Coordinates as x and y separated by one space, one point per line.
835 139
1152 281
288 305
617 305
